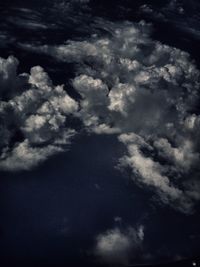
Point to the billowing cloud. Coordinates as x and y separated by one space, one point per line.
147 92
142 90
118 246
147 171
33 118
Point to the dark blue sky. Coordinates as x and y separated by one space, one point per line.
53 213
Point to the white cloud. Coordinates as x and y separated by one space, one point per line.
133 86
133 72
130 83
23 156
147 171
183 156
118 246
38 113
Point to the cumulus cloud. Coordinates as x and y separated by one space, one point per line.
23 156
33 118
118 246
152 173
142 90
135 86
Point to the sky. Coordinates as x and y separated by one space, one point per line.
99 127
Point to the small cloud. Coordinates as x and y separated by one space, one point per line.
118 246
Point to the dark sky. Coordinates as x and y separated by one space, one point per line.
53 213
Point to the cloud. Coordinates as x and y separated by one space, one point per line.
152 173
142 90
130 83
28 24
180 14
23 156
26 18
183 157
71 8
80 1
94 97
118 246
8 74
33 117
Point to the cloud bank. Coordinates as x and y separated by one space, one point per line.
148 93
138 88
